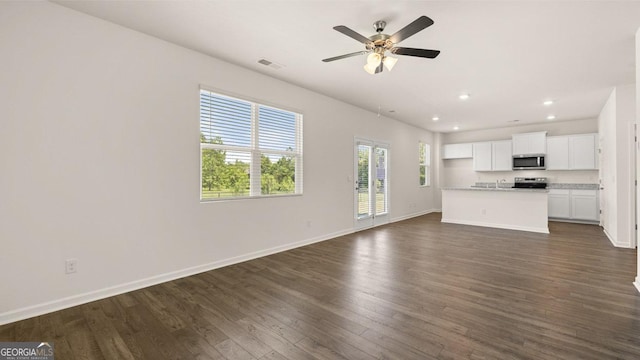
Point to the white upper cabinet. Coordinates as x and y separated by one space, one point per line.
501 155
529 143
482 156
572 152
457 151
583 152
568 152
492 156
557 157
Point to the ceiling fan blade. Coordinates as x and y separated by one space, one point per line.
379 69
424 53
345 56
418 24
352 34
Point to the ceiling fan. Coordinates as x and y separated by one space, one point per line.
377 45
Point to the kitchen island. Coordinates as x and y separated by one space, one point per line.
504 208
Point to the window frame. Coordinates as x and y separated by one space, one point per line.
255 189
426 148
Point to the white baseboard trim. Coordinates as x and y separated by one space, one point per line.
412 215
637 283
614 242
544 230
51 306
572 221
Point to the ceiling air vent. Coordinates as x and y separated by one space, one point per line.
270 64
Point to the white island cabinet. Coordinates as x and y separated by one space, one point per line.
504 208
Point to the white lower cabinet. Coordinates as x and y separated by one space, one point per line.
584 205
574 204
559 203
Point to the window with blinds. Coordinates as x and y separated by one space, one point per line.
424 159
248 149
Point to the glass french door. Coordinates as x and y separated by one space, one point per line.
371 183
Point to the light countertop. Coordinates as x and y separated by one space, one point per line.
550 185
507 189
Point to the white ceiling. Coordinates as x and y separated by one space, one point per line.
509 56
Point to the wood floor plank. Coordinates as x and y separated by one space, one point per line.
198 347
414 289
231 350
108 338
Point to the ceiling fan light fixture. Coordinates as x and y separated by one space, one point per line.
389 62
374 59
371 69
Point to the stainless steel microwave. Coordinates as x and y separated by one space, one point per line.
528 162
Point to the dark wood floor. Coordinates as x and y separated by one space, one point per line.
417 289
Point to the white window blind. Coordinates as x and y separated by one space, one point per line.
424 159
248 149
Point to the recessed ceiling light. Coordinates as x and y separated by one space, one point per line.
547 103
463 96
551 117
456 128
435 118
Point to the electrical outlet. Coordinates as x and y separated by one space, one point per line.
71 266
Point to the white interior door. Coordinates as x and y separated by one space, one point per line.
371 197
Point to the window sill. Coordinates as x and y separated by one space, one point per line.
206 201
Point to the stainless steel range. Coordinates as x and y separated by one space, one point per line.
530 183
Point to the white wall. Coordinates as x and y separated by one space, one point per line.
626 114
609 193
616 140
99 133
459 172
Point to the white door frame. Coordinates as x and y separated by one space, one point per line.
635 176
372 219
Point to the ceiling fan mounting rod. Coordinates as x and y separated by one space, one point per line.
379 26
